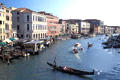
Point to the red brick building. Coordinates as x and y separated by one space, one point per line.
52 24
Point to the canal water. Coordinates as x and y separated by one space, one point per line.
106 62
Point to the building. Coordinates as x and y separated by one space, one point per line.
52 24
95 26
73 21
29 24
63 27
73 28
5 22
112 29
116 29
109 29
84 27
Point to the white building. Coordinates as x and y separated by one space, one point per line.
29 24
84 27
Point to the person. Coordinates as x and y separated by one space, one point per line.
55 61
88 44
65 68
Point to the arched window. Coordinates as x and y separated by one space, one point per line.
27 17
36 36
28 27
41 35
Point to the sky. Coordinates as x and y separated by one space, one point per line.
105 10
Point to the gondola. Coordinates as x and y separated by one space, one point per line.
70 70
75 51
90 45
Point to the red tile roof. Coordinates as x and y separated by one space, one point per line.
23 10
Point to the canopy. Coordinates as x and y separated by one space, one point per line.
12 39
7 40
2 43
77 45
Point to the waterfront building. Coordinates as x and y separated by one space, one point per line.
29 24
63 27
95 26
109 29
116 29
14 33
5 22
52 24
84 27
73 21
73 28
112 29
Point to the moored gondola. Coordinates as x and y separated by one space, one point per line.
70 70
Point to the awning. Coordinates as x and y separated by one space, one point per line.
2 43
12 39
7 40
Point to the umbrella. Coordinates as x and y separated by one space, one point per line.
12 39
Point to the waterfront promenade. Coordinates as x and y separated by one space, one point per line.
35 68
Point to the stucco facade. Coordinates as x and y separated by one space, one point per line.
5 22
29 24
84 27
52 24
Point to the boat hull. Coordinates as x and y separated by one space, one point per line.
70 71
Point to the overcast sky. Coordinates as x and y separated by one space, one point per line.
105 10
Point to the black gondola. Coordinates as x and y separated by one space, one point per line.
70 70
75 51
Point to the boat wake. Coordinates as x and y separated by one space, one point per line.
98 72
77 56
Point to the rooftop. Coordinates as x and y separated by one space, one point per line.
23 10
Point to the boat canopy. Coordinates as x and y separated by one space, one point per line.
35 42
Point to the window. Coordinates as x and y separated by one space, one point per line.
36 36
27 35
18 27
27 17
7 18
0 30
36 18
6 27
0 22
21 36
7 11
18 13
36 26
40 19
18 19
33 18
27 27
33 35
41 35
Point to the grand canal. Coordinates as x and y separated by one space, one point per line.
106 62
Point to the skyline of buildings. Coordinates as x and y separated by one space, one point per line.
27 24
